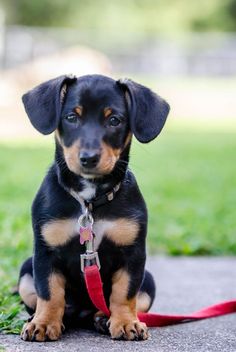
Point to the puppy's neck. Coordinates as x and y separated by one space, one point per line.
89 189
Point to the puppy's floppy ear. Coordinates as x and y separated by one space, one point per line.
43 103
147 110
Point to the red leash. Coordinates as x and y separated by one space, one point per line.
95 291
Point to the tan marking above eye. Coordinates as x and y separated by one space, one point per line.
79 110
107 112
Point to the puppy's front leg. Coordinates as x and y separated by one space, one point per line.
124 322
47 321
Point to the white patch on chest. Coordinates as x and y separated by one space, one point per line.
88 191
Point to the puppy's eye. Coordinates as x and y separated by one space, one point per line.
72 118
114 121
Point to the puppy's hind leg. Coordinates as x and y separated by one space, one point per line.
146 293
26 288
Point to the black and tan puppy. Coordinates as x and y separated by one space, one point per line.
94 118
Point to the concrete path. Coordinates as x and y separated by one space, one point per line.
183 286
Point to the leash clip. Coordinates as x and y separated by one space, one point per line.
89 258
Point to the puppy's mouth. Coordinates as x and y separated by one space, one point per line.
97 171
90 173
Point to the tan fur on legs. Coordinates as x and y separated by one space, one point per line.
124 322
47 322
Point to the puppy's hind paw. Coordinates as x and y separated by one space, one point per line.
101 323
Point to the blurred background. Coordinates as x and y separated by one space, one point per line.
184 50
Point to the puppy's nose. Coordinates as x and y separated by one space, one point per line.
89 159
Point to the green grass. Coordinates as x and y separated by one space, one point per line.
189 183
10 320
188 180
21 169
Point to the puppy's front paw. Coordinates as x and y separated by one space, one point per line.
128 330
38 331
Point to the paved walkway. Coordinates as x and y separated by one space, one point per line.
183 286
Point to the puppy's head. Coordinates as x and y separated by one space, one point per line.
94 118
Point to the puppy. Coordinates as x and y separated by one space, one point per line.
94 118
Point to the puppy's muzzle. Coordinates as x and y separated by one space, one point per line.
89 159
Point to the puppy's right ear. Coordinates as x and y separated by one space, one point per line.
43 103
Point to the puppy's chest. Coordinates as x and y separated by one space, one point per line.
121 231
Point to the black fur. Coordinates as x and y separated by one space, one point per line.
43 104
144 113
147 110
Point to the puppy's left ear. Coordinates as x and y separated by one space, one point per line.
147 110
43 103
